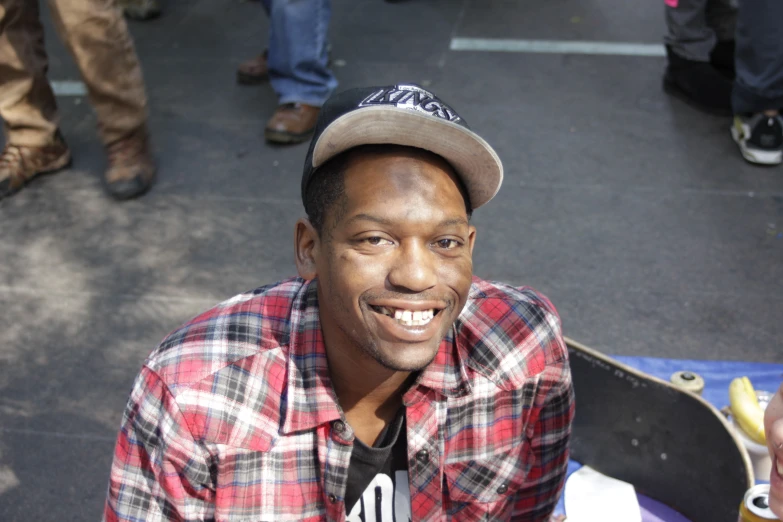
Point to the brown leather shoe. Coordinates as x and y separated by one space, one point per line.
291 123
140 9
254 70
19 164
131 169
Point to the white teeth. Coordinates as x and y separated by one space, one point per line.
410 317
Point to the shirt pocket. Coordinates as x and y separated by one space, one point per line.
485 489
259 486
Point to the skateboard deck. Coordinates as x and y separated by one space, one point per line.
671 444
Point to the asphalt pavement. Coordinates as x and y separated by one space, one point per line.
634 213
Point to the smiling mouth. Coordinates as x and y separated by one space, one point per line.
407 317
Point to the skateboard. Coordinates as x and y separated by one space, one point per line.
671 444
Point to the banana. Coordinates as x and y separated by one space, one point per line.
746 409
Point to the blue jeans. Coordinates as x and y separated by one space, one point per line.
759 57
298 55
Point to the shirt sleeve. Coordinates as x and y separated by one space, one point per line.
549 434
159 472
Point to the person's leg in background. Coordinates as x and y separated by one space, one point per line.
97 37
700 53
27 104
256 70
758 88
296 64
298 67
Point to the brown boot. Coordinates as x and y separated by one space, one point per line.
131 169
139 9
19 164
291 123
254 70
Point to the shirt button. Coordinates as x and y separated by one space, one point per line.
338 426
423 456
332 499
502 488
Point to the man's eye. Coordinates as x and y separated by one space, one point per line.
447 243
376 240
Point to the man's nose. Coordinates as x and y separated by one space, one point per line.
414 267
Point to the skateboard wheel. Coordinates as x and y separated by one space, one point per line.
755 505
689 381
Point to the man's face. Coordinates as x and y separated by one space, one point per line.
394 261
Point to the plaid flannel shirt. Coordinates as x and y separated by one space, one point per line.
233 417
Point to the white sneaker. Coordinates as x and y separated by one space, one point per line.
760 138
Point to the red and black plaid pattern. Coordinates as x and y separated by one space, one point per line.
233 416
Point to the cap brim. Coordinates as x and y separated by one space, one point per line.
473 159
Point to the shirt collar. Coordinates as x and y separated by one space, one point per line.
445 375
309 399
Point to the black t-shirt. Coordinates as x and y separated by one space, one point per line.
377 489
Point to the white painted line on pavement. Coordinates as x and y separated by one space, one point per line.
557 46
68 88
157 298
59 434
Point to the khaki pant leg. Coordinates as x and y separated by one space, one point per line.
96 35
27 104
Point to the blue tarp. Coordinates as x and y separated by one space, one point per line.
717 376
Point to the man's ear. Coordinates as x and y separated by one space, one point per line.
471 237
306 248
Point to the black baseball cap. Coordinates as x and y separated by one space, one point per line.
409 115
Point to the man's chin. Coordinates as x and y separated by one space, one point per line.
406 357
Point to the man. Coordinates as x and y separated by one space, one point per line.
712 71
296 65
385 383
98 39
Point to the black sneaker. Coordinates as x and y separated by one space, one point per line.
699 84
760 138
